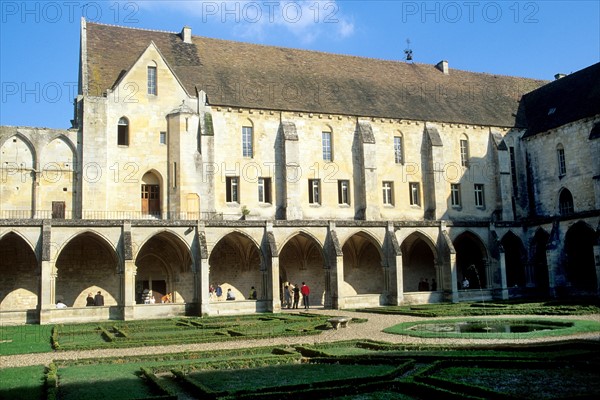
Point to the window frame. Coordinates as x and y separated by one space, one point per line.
414 194
455 195
464 153
562 163
123 131
247 142
479 191
566 205
399 149
314 191
264 190
232 189
162 137
388 193
343 192
327 146
152 80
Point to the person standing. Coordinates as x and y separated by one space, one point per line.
296 295
305 290
287 297
89 301
99 299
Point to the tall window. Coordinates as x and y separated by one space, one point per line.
562 166
455 194
247 148
398 150
388 193
464 152
327 153
479 195
565 202
513 170
152 81
344 192
314 191
163 138
415 193
264 190
232 191
123 132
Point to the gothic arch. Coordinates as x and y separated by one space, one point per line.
515 260
579 251
471 259
419 258
86 263
363 273
19 276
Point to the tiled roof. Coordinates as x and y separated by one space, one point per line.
246 75
564 100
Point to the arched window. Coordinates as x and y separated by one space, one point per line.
123 132
398 149
560 154
464 151
565 202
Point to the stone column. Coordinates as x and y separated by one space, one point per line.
128 294
597 265
47 275
449 263
334 269
271 286
503 284
202 272
394 282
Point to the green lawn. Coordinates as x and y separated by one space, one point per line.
26 383
24 339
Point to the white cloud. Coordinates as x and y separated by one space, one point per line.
307 20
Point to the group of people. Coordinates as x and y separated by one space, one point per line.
216 293
291 295
425 287
90 300
97 300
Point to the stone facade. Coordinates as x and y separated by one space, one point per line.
162 187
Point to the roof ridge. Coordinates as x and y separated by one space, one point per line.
129 27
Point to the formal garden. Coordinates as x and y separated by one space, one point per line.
355 369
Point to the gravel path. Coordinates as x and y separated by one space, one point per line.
368 330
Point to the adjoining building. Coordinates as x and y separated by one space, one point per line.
195 162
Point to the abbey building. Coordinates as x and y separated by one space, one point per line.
195 162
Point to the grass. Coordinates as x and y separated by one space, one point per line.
496 307
25 339
24 383
562 328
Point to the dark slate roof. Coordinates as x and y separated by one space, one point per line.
246 75
568 99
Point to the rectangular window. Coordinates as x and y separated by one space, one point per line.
464 153
232 190
513 171
455 194
264 190
163 138
479 195
415 193
174 174
388 193
398 155
344 192
314 191
247 148
152 81
327 155
562 166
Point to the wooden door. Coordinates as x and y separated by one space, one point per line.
151 200
58 209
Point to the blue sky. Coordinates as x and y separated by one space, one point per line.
39 40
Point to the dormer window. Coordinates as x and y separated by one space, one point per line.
152 88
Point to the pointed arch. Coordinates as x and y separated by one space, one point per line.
515 260
236 262
579 248
471 259
87 263
537 251
419 259
20 273
565 202
363 271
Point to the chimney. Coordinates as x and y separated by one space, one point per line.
558 76
443 66
186 34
